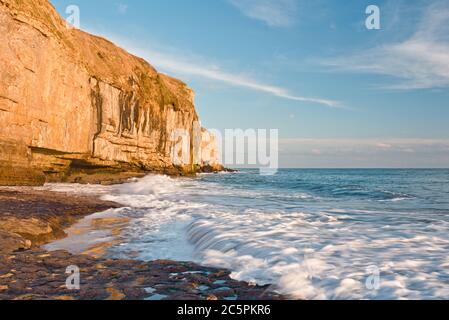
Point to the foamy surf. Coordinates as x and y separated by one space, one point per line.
311 234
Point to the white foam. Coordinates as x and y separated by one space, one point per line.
315 253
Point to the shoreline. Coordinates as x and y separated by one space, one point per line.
31 218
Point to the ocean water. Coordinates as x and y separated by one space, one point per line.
312 234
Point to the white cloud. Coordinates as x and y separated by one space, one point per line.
419 62
179 65
275 13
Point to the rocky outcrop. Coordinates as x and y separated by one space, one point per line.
29 218
73 105
39 275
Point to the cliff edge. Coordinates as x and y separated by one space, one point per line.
74 107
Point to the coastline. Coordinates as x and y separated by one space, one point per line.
30 218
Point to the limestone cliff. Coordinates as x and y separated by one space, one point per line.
73 104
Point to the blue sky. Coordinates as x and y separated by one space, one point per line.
340 94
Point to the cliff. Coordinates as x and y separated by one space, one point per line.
75 107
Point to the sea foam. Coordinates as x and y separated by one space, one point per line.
306 241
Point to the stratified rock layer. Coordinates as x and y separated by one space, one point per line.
75 105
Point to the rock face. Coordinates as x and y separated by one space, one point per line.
75 105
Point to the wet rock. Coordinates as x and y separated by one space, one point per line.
198 279
24 277
134 293
32 297
36 274
12 242
19 287
96 294
223 292
115 294
29 218
65 298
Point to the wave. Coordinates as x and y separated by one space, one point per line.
306 243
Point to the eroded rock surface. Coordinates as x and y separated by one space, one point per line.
39 275
31 218
75 107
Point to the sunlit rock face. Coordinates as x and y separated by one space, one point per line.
209 150
73 105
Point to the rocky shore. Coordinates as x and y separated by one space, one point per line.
31 218
76 108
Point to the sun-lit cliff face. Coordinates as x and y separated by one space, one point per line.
73 104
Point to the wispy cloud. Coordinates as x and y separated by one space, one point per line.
275 13
419 62
185 65
178 66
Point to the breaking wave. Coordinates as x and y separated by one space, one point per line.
311 234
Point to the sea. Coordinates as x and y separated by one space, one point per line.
308 233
